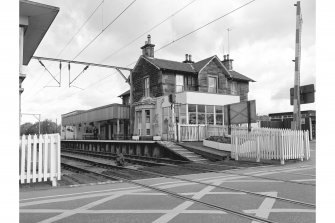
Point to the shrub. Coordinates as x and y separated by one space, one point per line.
221 139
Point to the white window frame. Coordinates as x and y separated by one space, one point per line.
146 86
216 87
180 77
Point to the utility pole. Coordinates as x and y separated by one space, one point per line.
296 97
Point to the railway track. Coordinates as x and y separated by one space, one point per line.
176 195
94 162
199 167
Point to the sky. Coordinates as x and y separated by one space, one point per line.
261 43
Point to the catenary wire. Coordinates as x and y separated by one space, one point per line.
87 45
73 36
152 28
185 35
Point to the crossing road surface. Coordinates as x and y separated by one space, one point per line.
124 202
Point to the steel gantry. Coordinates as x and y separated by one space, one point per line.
88 64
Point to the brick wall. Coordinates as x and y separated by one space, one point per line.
144 69
215 70
168 82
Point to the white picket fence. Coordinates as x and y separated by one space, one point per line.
266 143
40 158
188 132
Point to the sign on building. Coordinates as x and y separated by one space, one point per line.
238 113
307 94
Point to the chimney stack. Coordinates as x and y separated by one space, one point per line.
228 63
148 48
188 58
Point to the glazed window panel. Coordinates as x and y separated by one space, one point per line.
212 84
146 86
179 83
192 118
147 116
192 108
201 108
210 119
218 109
201 118
219 119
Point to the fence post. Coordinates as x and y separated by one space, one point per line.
23 157
34 158
53 157
45 157
282 161
29 159
258 150
179 133
40 160
236 152
58 157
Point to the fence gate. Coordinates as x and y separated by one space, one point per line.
40 158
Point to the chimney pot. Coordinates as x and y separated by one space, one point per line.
186 57
227 56
149 39
224 57
190 57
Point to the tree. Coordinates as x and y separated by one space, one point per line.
47 127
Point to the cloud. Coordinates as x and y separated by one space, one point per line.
261 44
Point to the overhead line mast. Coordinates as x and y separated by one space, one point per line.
297 61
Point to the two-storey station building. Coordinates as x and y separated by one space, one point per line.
199 91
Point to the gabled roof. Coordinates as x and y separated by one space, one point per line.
238 76
191 67
200 64
171 65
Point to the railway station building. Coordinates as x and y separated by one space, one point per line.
166 92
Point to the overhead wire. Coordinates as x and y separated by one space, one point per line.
179 38
73 36
203 26
152 28
89 43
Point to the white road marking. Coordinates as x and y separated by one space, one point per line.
149 211
265 208
180 208
77 210
302 180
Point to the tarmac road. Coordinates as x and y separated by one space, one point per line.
124 202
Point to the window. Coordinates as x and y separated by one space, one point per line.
201 114
147 116
139 121
218 115
147 121
146 87
233 87
210 114
212 84
192 114
179 83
